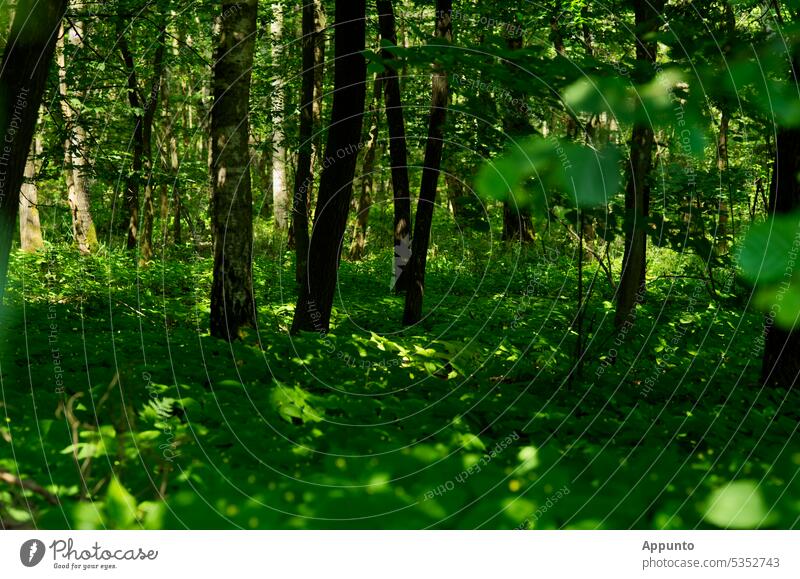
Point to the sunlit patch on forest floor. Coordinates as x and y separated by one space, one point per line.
114 395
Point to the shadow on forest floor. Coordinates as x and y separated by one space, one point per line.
114 395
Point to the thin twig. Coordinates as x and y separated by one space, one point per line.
29 485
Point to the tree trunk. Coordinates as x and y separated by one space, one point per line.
304 179
30 229
168 152
359 240
637 193
722 165
319 81
280 192
430 175
455 191
315 303
725 206
23 77
142 163
173 160
83 230
397 149
146 245
781 362
232 304
556 33
132 179
517 223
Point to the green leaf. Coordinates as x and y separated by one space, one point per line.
120 506
589 177
769 251
782 301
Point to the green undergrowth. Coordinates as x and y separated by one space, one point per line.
117 402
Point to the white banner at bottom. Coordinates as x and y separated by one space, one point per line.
399 554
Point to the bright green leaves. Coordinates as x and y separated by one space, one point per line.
770 250
118 509
782 302
759 82
768 260
525 175
120 506
292 404
737 505
664 102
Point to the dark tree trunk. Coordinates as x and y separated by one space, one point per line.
232 304
367 180
132 179
304 179
146 246
23 76
397 149
722 165
588 40
556 32
637 193
517 223
169 156
319 80
430 175
725 206
142 164
315 303
781 363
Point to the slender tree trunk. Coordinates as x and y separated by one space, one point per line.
172 163
315 303
722 166
142 163
280 192
304 178
319 81
455 190
557 17
359 241
30 229
397 149
146 244
23 77
588 40
135 173
172 160
517 223
83 230
556 32
232 304
430 175
637 193
725 206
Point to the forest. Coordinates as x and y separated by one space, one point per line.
399 264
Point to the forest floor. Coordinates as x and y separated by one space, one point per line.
113 395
